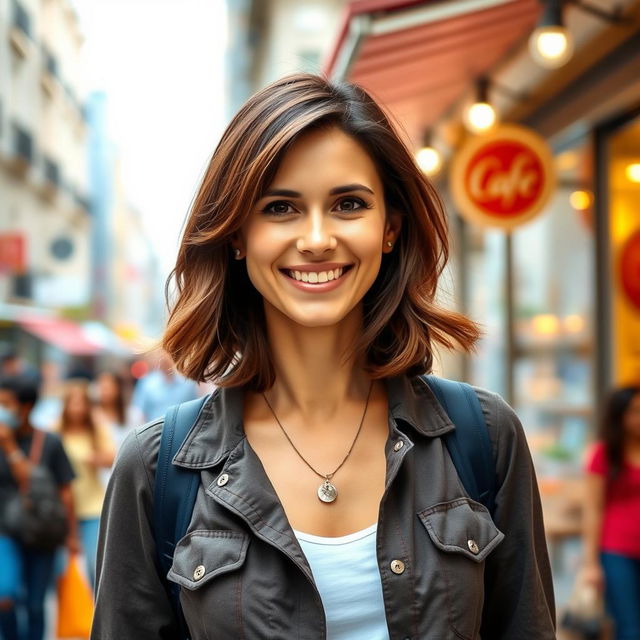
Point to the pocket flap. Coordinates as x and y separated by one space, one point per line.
202 555
462 526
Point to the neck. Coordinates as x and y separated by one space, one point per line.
315 376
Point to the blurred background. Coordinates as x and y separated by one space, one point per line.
110 110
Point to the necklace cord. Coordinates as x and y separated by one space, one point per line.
326 476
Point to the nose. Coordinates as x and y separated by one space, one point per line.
317 236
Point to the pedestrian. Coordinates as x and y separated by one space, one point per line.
612 512
161 388
26 571
111 405
90 448
328 505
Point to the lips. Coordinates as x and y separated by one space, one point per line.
316 274
317 278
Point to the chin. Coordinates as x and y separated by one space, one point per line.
316 320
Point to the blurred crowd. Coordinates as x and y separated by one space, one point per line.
69 428
60 434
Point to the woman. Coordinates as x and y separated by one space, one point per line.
90 449
305 289
612 512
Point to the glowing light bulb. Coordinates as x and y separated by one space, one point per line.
581 200
632 171
429 160
480 117
551 46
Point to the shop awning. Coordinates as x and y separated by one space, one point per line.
90 338
420 58
63 334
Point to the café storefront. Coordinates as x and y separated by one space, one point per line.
558 292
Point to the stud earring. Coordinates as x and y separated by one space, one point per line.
237 252
389 244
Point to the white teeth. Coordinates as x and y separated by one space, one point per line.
316 277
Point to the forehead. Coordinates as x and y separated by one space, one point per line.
324 158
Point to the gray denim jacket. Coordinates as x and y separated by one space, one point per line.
257 584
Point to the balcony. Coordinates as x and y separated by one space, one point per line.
52 179
22 152
50 73
20 30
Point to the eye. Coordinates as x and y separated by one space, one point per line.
353 204
278 208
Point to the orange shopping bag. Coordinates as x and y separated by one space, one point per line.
75 603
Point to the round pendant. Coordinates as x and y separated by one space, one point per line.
327 492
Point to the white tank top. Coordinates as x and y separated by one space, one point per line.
346 573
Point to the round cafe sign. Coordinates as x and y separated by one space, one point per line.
503 178
630 269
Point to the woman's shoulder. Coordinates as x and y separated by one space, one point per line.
499 415
507 435
138 453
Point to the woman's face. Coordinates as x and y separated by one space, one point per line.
107 388
631 421
78 405
314 242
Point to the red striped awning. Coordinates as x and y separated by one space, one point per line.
63 334
420 69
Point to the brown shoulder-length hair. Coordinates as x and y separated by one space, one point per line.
216 328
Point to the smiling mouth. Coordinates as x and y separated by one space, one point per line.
317 277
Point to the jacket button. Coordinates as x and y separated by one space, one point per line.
473 546
223 479
198 573
397 566
398 445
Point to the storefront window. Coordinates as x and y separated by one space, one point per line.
624 232
554 288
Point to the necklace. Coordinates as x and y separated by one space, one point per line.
327 491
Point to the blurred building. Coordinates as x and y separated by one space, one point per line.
75 262
44 207
558 297
270 38
126 279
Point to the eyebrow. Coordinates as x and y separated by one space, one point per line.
346 188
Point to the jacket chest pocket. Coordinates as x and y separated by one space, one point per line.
206 565
463 535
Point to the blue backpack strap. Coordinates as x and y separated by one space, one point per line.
469 444
174 493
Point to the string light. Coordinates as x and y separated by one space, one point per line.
429 159
480 116
551 44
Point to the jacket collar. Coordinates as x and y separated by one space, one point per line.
219 429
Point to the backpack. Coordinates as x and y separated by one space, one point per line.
175 488
35 515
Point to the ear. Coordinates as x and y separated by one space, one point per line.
237 246
392 228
